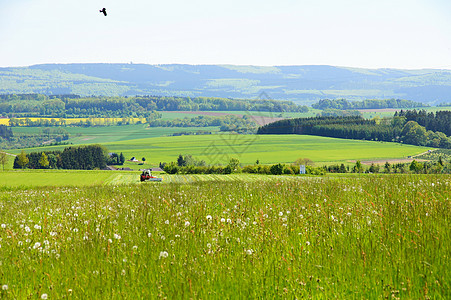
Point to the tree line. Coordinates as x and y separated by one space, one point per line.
416 167
84 122
65 106
71 158
396 129
438 121
343 104
188 165
226 123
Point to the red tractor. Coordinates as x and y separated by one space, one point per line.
146 175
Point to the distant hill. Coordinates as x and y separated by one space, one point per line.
302 84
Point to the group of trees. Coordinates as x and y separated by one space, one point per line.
188 165
343 104
115 159
396 129
226 123
83 122
440 121
78 158
5 132
64 106
417 167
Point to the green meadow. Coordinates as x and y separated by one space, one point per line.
108 134
268 149
14 179
350 237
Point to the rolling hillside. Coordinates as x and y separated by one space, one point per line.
303 84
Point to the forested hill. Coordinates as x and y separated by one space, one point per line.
304 84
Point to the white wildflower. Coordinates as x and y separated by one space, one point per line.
209 217
5 287
44 296
117 236
36 245
187 224
163 254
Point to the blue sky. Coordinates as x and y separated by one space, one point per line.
355 33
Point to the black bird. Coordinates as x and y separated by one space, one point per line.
103 11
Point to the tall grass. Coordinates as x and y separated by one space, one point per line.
359 237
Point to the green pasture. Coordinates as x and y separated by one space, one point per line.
77 178
108 134
268 149
359 237
37 178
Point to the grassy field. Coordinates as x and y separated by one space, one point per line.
266 148
219 148
360 237
107 134
77 178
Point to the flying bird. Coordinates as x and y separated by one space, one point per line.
103 11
